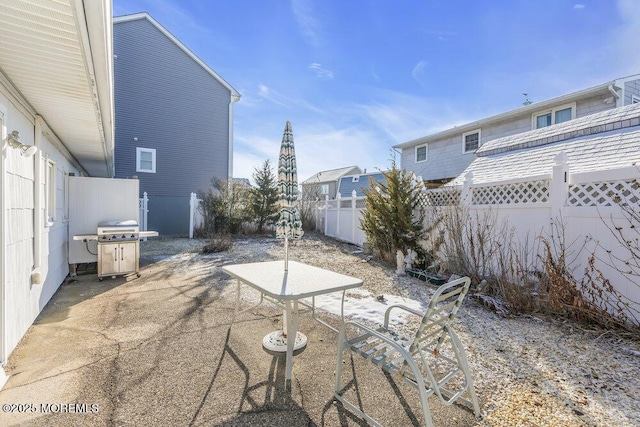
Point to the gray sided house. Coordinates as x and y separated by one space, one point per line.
326 183
359 183
440 157
174 120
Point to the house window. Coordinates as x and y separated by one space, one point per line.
324 189
145 160
50 191
470 141
355 179
421 153
560 114
635 99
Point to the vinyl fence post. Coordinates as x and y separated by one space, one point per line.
193 204
144 204
466 195
559 186
326 212
353 216
339 206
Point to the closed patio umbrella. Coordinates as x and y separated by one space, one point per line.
289 225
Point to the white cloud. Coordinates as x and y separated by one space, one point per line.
273 96
305 17
321 72
578 6
419 72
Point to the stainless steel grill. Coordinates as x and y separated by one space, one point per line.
118 248
110 231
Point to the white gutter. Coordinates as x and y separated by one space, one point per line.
81 23
36 274
235 97
615 94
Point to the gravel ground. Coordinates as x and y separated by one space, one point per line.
528 371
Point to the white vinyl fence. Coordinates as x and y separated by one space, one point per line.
588 205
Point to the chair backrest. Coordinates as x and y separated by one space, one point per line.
444 305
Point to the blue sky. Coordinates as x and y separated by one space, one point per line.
357 77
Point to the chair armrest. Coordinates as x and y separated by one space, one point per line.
400 306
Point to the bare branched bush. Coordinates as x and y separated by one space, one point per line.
590 299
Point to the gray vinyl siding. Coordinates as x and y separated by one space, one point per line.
347 185
631 88
445 158
171 104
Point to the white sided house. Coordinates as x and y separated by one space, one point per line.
440 157
56 121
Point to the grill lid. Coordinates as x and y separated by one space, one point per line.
116 223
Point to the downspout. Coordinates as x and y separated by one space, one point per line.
36 274
615 94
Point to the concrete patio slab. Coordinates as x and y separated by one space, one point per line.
165 349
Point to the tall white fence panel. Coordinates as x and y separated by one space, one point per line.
586 206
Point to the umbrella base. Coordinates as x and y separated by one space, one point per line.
275 343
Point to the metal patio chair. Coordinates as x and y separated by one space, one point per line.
431 360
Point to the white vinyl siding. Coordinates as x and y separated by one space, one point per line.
145 160
421 153
470 141
560 114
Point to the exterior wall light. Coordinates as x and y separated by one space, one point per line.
13 140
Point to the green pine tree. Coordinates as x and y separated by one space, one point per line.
264 197
393 218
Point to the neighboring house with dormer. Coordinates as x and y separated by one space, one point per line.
174 120
440 157
326 183
358 183
601 141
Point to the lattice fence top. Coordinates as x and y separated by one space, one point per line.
604 193
440 197
516 193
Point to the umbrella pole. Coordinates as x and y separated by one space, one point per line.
286 253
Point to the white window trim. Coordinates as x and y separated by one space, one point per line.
324 189
479 132
153 159
426 153
635 99
553 110
355 179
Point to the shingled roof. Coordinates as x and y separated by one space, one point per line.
605 140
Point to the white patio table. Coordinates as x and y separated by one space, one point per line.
288 288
